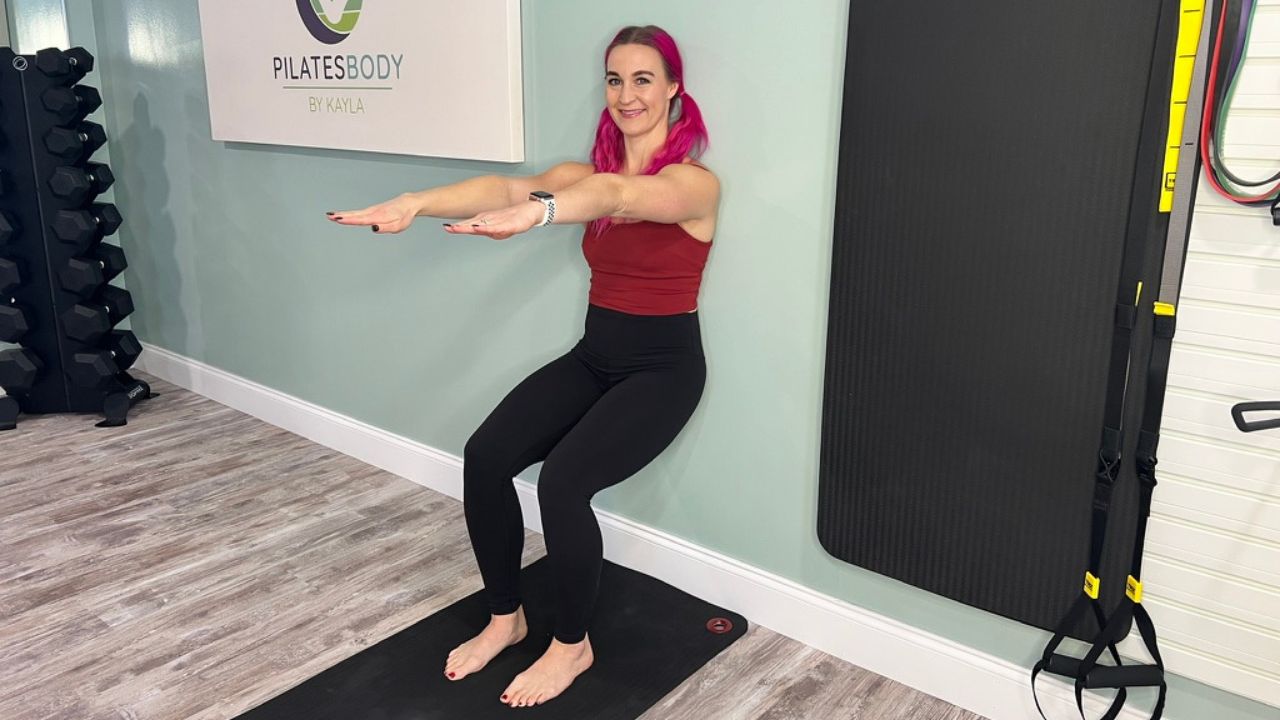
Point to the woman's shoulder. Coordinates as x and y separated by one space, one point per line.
703 175
687 166
696 163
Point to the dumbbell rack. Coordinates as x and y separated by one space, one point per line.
56 301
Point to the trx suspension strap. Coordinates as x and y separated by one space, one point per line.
1175 254
1188 83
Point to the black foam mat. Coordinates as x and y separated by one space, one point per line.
648 637
993 159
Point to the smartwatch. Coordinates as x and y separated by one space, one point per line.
549 201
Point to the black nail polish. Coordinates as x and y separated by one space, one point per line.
375 228
475 226
448 224
339 217
329 213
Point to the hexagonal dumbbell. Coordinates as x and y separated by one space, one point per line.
67 66
90 320
7 228
96 368
13 321
53 62
70 105
124 347
93 369
83 228
75 144
111 258
19 368
81 277
10 277
78 185
84 275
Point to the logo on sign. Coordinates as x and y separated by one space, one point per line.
316 16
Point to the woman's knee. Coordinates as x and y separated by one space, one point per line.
485 457
561 483
476 448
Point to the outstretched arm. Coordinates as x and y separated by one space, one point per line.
461 199
676 194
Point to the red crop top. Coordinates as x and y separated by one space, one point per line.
645 268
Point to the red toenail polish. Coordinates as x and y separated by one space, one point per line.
450 674
504 697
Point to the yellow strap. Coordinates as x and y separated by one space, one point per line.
1133 588
1165 309
1137 300
1091 585
1185 58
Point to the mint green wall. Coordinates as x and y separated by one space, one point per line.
233 264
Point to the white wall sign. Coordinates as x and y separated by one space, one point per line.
436 78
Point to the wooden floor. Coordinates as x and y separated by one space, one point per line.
199 561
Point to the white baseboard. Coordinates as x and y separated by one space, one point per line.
991 687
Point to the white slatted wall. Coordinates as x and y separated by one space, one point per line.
1212 571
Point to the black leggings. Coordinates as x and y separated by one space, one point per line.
595 416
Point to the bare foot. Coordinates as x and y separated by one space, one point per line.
471 656
551 675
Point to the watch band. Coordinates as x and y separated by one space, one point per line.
549 202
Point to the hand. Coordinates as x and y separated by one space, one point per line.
391 216
501 224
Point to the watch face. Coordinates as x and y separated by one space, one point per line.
542 194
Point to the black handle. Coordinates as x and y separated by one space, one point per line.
1237 414
1105 676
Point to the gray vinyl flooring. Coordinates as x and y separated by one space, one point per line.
199 561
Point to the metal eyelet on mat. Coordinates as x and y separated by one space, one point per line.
719 625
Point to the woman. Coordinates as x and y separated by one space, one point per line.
614 402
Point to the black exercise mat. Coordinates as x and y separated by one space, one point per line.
648 637
992 160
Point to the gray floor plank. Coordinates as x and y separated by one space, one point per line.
198 562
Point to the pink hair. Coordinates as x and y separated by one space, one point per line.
686 136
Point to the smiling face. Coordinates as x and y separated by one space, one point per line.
637 89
